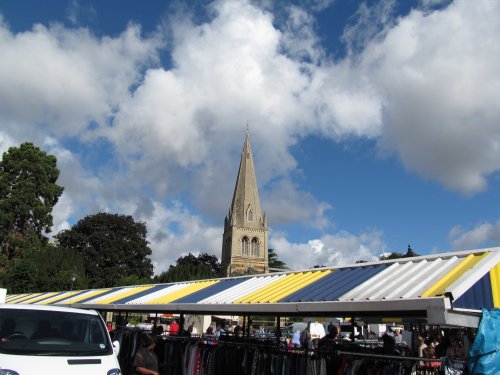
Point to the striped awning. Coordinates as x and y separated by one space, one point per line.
466 280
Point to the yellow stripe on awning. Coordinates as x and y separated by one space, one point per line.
59 297
302 281
86 295
180 293
283 287
495 285
126 293
26 297
261 293
438 288
43 296
14 297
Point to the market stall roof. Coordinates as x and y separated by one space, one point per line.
447 288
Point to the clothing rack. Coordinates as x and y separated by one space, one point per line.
267 356
389 357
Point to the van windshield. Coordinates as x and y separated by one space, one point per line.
39 332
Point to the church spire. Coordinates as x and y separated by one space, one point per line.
245 206
244 242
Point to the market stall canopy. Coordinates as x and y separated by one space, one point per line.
448 288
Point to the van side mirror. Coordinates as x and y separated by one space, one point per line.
116 348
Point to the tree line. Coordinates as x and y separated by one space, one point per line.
99 251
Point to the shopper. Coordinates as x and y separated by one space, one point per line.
331 337
191 329
421 346
145 360
174 328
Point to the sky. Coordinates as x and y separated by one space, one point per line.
374 124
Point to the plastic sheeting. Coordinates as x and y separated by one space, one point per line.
485 352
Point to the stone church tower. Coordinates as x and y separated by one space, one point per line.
244 242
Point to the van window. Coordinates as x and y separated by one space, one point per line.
39 332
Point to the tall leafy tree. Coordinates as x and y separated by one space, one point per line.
274 261
190 267
22 276
28 192
59 269
44 269
112 246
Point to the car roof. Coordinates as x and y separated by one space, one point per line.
47 308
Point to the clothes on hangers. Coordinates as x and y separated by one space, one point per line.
197 357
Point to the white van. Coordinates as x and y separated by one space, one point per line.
37 339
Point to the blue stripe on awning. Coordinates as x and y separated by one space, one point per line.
336 284
211 290
98 295
141 294
61 301
480 295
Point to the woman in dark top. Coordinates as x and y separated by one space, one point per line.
145 360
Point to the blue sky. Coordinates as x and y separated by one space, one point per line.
374 124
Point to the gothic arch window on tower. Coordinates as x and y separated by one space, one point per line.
244 245
249 214
255 247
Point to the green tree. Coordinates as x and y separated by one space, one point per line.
59 269
190 267
45 269
112 246
409 254
274 261
133 280
394 255
22 276
28 192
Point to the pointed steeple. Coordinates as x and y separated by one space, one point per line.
244 242
245 206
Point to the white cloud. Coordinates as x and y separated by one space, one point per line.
330 250
483 234
288 204
174 231
58 80
235 68
439 73
5 142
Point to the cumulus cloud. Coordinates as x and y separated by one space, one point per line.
57 80
237 66
438 73
174 231
287 204
329 250
483 234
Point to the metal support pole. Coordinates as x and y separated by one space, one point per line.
244 324
181 323
248 325
278 329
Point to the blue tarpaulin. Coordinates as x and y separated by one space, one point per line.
484 356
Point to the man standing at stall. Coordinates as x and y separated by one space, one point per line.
174 328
